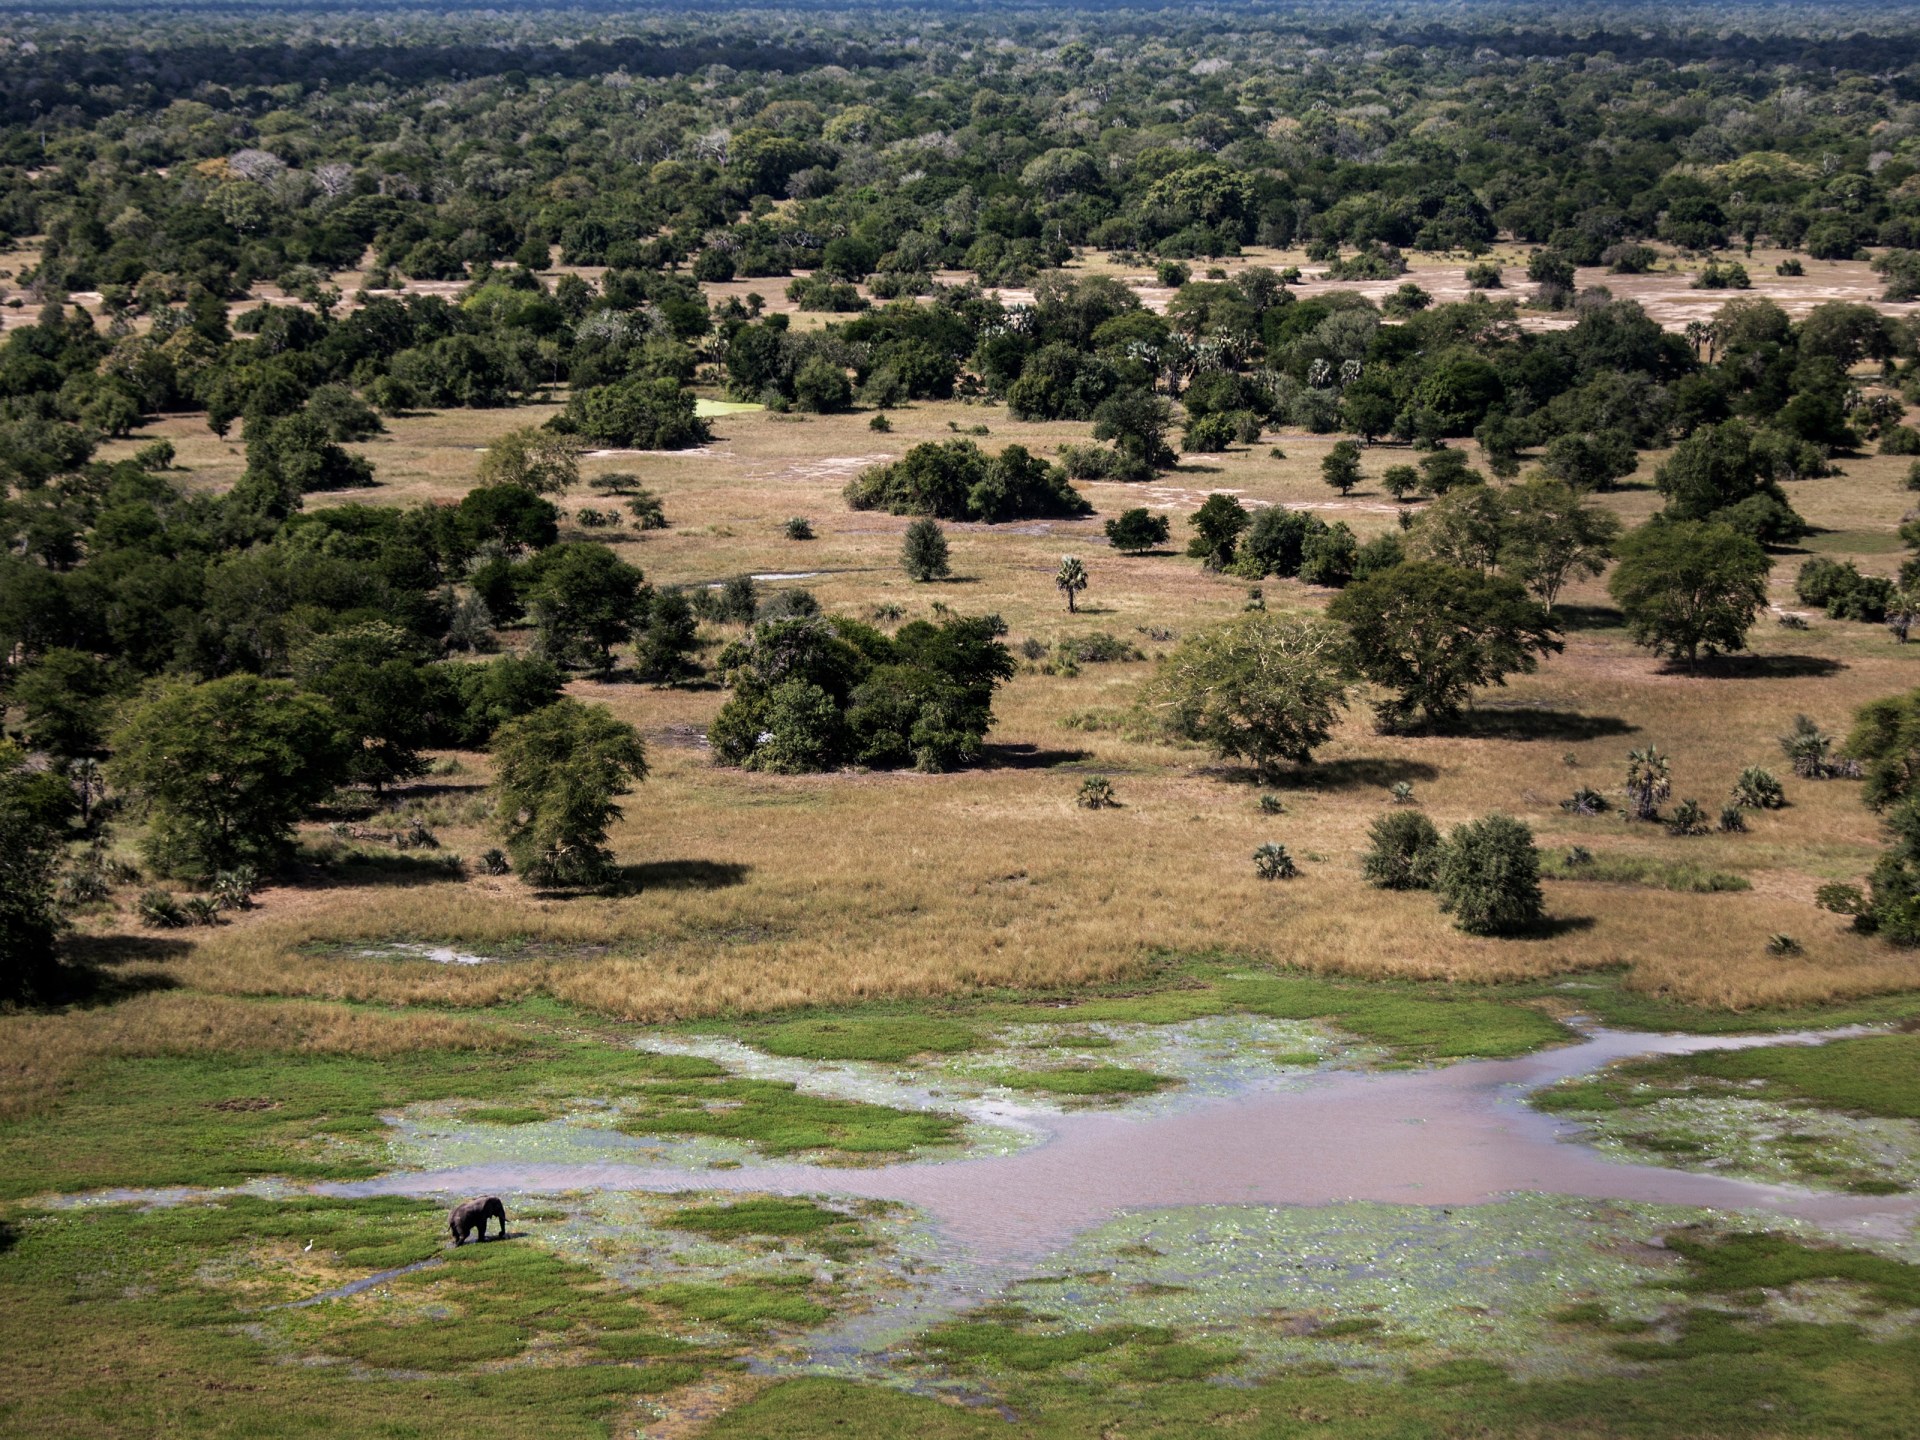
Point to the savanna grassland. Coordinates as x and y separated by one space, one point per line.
343 357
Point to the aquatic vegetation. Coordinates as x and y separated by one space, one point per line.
1086 1080
877 1040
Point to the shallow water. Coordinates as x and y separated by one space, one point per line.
1458 1135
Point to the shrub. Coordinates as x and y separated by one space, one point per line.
1784 945
494 861
1733 820
957 480
1272 862
1096 793
1270 804
1133 532
1688 819
646 510
1790 266
1585 801
1488 878
161 910
1758 789
799 528
1483 275
1405 851
880 424
1401 792
234 889
1900 440
923 554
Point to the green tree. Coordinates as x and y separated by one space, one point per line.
1549 535
66 695
1340 466
1431 633
33 811
1688 587
1727 473
1591 460
1488 877
1464 527
532 458
584 600
1886 741
1136 420
923 554
558 776
1264 687
821 386
1649 781
644 413
373 676
1133 532
1070 579
1403 851
1217 525
224 770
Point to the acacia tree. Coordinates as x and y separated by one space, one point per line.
1432 632
1133 532
1263 687
1688 587
533 459
1549 535
558 773
1070 578
225 769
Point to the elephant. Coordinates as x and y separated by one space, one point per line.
476 1213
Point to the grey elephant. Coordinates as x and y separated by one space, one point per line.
475 1213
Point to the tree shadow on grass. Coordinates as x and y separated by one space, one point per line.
1028 757
355 871
1760 667
1350 774
1588 617
1554 927
1530 722
90 971
684 875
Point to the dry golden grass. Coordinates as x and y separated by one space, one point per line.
853 885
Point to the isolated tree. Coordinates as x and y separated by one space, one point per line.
1550 535
1431 633
923 554
1403 853
1885 740
1132 532
1400 481
1447 469
668 636
224 770
1217 525
1688 587
1136 420
1590 460
1264 687
558 774
1649 781
1488 877
1340 466
1070 579
532 458
584 600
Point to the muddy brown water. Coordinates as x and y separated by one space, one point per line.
1456 1135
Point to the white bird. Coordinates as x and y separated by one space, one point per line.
308 1246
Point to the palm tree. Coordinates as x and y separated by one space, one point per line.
1649 781
1070 577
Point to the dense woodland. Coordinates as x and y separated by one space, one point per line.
565 186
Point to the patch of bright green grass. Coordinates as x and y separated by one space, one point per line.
1085 1080
504 1115
782 1121
1875 1074
1746 1262
1403 1018
744 1306
1686 876
995 1345
756 1217
162 1322
886 1040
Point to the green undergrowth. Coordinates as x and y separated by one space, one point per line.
1719 1368
165 1322
884 1040
781 1120
226 1119
1084 1080
757 1217
1871 1075
1605 868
